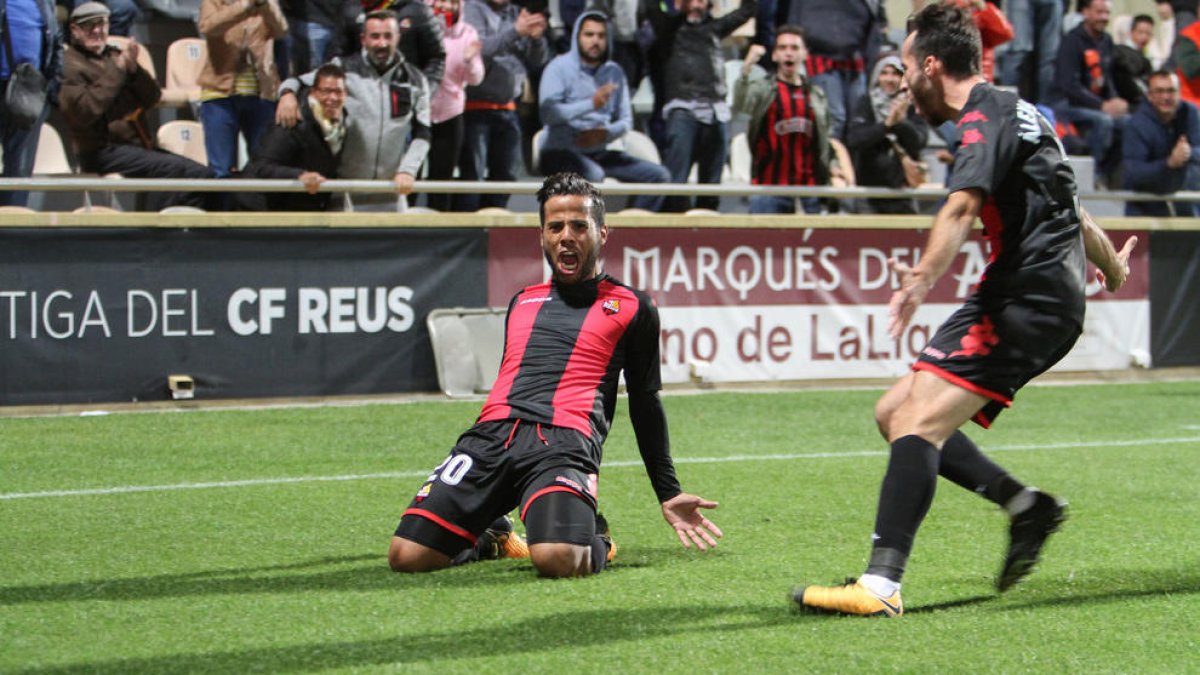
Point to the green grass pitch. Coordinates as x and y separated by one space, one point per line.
176 542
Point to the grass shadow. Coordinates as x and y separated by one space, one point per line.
1101 586
365 572
560 632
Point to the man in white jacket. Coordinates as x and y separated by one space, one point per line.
387 100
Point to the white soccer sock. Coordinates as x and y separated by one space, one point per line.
1021 501
881 586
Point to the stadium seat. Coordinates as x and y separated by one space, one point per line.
466 347
143 59
96 209
842 156
741 161
185 59
51 158
183 137
639 145
182 209
733 70
16 209
535 151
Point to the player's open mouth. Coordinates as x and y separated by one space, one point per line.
568 262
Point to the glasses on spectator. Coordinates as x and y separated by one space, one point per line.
92 25
1162 90
329 91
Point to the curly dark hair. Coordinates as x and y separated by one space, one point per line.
568 183
948 33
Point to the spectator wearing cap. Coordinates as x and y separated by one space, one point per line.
122 15
238 81
104 95
31 35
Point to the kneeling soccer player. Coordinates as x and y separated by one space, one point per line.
538 441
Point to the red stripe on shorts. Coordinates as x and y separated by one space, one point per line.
443 522
969 386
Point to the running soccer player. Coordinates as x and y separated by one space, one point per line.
1027 312
538 440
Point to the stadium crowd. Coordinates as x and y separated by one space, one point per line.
771 92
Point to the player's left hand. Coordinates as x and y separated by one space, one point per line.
1116 277
913 289
682 512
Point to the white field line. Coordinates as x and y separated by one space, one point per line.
125 489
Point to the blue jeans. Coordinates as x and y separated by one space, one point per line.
20 149
1037 30
222 118
308 45
690 141
769 204
606 163
1097 128
491 149
843 89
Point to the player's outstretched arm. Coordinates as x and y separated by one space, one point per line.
682 512
1113 264
950 228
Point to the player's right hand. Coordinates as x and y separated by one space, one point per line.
1116 277
905 301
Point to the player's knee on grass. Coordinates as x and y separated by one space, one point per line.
405 555
560 527
561 560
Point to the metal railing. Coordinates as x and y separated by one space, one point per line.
99 184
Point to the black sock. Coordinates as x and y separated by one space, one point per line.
965 465
599 554
904 499
467 555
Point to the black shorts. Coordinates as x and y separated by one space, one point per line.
495 467
993 351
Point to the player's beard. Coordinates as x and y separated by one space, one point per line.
585 267
926 98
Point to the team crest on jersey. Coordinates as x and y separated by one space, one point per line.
611 306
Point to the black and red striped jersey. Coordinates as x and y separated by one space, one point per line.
1030 214
565 346
783 151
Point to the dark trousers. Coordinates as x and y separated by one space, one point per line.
444 147
19 149
491 149
133 161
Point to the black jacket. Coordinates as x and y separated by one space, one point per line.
875 160
690 54
287 153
